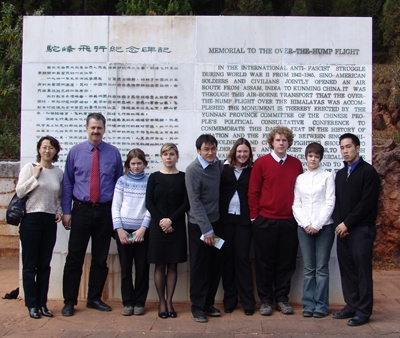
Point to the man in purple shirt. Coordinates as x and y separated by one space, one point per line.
88 219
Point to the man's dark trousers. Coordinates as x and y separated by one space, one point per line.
87 222
205 267
355 263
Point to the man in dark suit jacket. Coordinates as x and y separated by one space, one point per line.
357 190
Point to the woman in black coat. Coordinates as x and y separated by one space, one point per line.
167 202
237 277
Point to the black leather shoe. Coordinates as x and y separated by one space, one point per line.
307 314
172 314
212 311
357 321
98 305
249 312
343 314
228 309
68 310
198 315
34 313
163 315
45 311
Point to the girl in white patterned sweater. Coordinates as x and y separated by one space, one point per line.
131 220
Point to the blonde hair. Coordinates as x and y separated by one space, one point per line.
168 146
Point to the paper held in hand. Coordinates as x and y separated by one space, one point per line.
218 241
131 237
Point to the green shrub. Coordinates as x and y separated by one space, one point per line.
10 82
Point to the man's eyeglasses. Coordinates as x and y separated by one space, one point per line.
209 150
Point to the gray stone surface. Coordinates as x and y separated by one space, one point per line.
9 170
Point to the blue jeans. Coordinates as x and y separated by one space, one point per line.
316 251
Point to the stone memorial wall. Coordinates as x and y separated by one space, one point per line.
170 79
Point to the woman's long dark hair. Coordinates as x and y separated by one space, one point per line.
232 154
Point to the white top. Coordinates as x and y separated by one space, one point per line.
314 198
44 192
234 204
277 158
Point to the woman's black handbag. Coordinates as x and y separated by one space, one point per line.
16 210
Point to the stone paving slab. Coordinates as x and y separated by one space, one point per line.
15 321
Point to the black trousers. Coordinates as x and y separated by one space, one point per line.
38 233
88 222
275 247
134 296
355 264
237 275
205 267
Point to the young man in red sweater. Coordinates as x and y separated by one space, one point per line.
271 194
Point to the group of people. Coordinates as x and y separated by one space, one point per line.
270 204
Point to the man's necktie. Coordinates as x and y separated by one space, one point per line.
94 193
281 162
348 171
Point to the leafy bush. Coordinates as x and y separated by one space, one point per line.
390 25
10 80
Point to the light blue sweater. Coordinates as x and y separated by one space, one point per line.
128 206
